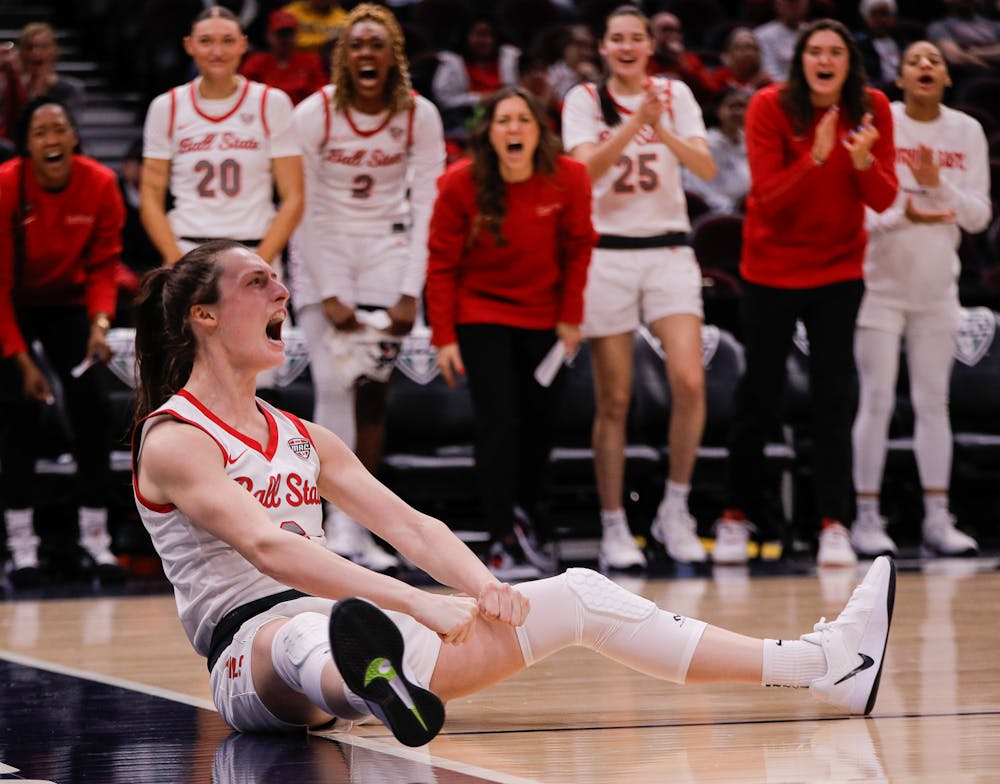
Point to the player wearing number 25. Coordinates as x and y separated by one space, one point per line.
221 145
636 134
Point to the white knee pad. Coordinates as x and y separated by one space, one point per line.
299 652
583 607
600 595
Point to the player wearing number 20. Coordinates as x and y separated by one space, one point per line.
221 145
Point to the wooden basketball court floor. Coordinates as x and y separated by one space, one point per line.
104 688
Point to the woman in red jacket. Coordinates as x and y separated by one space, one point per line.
509 244
62 216
820 149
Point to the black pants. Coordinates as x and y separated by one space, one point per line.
769 315
63 333
514 417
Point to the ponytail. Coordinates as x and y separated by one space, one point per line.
164 343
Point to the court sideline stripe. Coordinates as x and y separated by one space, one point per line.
174 696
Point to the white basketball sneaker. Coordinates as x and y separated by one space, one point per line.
732 537
678 533
868 537
941 537
835 547
619 549
854 644
352 540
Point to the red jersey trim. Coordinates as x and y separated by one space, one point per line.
272 426
263 110
163 508
227 115
358 131
173 113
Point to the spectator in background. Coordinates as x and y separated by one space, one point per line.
881 42
38 52
533 76
742 66
220 145
296 73
12 96
670 58
319 24
911 291
509 245
777 38
139 254
372 153
968 40
482 66
58 288
577 60
725 192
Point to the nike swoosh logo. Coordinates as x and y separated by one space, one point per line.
382 669
231 460
866 662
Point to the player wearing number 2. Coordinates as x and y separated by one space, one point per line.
220 145
373 151
635 133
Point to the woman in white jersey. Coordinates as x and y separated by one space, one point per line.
230 490
220 145
635 133
373 151
911 291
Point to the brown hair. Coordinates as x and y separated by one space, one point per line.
491 190
795 95
164 343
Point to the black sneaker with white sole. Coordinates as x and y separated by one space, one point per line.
367 648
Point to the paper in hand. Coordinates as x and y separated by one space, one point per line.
547 369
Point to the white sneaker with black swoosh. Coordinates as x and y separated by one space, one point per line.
854 644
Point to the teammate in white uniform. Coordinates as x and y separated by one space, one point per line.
635 134
229 490
372 151
911 291
220 145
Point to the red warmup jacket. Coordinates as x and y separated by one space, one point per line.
804 224
299 78
534 281
73 243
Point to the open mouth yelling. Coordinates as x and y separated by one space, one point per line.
273 329
515 147
368 76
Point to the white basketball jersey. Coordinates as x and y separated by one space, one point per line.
359 162
209 577
220 154
641 195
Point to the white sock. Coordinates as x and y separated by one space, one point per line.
867 507
794 663
22 543
613 517
583 607
675 500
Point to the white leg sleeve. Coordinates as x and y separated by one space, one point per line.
929 354
877 355
583 607
334 404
